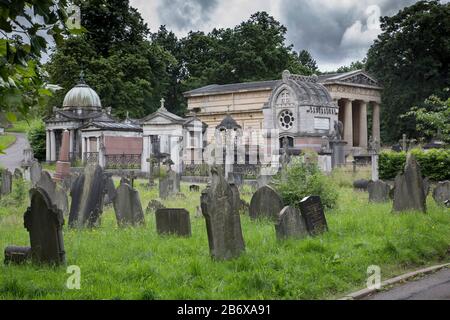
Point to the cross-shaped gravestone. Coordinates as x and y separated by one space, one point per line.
162 103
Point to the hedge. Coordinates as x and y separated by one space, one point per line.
434 163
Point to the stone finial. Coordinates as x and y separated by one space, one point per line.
162 104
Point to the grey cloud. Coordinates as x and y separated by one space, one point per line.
319 26
186 14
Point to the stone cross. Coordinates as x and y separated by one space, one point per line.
162 103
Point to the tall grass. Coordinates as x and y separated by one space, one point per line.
136 263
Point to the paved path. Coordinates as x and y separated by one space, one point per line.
435 286
14 154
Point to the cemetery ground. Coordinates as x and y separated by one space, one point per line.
6 140
137 263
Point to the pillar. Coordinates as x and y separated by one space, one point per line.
363 125
71 142
52 145
47 146
145 158
376 122
83 148
348 122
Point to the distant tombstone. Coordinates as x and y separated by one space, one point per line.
169 185
153 206
236 196
110 191
361 184
6 182
17 255
426 186
35 172
18 175
290 224
409 188
236 178
127 206
87 198
173 221
223 222
194 188
265 203
378 191
441 193
44 223
312 211
324 163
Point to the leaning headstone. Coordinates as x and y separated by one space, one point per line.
6 182
153 206
87 198
57 194
441 193
169 185
127 206
223 222
409 188
35 172
312 211
290 224
44 223
378 191
173 221
110 191
266 203
18 175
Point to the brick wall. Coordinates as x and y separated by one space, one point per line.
120 145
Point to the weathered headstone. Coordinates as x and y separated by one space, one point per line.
290 224
154 205
173 221
110 191
6 182
236 196
361 184
35 172
223 222
17 255
194 188
409 188
312 211
18 175
426 186
87 198
127 206
169 185
441 193
56 194
378 191
44 223
266 203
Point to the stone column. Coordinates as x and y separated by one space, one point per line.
348 122
376 122
71 141
83 147
47 146
52 145
145 165
363 125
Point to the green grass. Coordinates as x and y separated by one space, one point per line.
138 264
6 140
22 126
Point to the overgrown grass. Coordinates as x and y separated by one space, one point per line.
136 263
6 140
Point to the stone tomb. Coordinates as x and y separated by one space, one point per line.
409 193
265 203
441 194
173 221
223 223
169 185
127 206
378 191
44 222
312 211
87 198
290 224
6 182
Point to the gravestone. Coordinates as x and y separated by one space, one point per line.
153 206
169 185
6 182
312 211
110 191
127 206
426 186
35 172
87 198
56 194
194 188
18 175
409 188
378 191
290 224
17 255
361 184
44 223
266 203
441 194
223 223
173 221
236 178
236 197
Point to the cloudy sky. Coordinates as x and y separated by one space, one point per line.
336 32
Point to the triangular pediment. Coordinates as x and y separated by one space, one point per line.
162 117
358 77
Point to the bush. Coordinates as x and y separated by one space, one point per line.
434 164
300 179
36 137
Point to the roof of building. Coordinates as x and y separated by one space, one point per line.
116 126
82 96
234 87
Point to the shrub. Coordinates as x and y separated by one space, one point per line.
36 137
434 164
300 179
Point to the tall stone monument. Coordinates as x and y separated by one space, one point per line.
63 164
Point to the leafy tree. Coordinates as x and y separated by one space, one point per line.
355 65
307 60
411 59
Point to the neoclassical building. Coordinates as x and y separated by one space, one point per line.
302 108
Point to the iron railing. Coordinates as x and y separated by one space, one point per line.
90 157
123 161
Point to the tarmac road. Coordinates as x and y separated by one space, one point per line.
14 154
